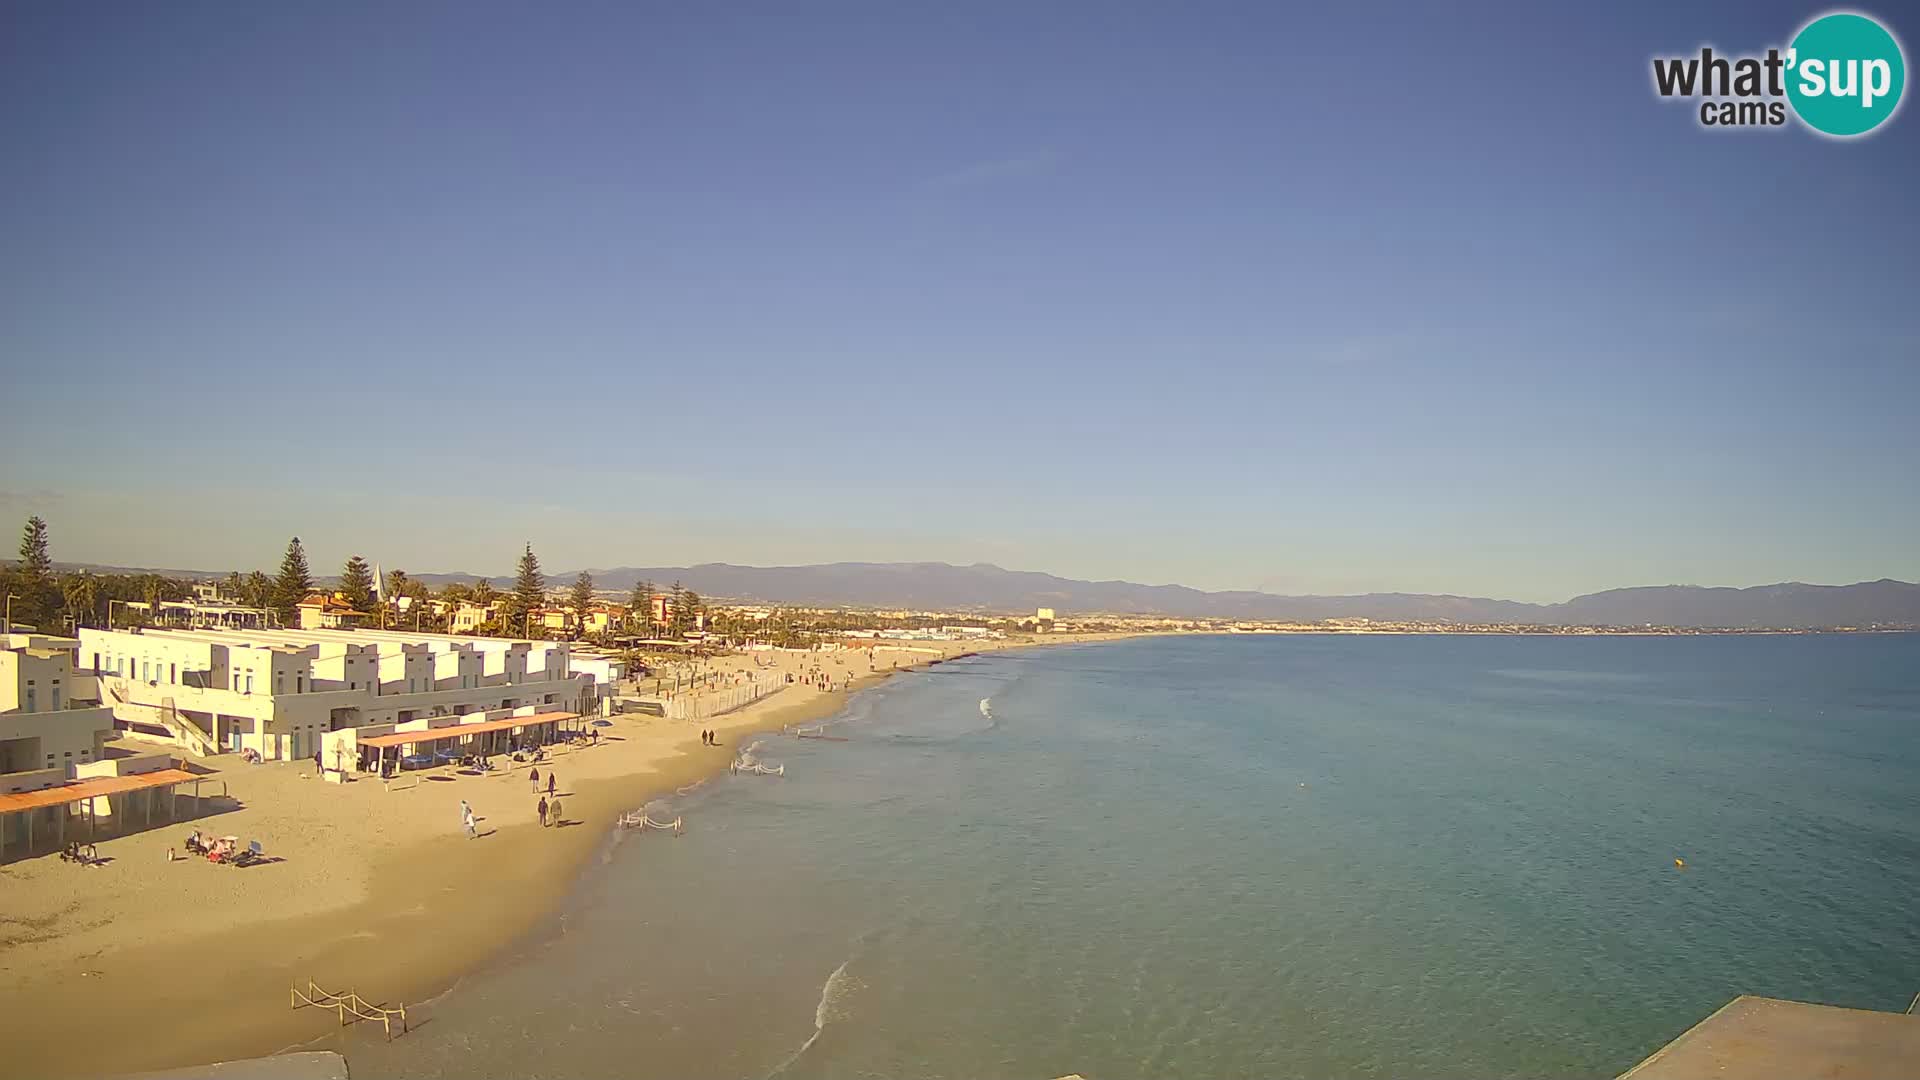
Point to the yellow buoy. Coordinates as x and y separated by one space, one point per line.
1681 863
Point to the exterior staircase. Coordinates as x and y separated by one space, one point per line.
183 728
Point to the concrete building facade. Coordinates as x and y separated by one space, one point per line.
277 692
50 723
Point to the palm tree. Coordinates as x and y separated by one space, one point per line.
81 594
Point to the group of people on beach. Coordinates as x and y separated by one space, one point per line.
549 807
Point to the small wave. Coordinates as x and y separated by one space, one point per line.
832 998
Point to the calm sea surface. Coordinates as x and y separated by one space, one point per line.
1297 856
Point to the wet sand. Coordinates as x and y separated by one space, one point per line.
142 963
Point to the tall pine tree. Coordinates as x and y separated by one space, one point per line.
33 579
529 590
293 584
580 597
356 584
642 603
677 610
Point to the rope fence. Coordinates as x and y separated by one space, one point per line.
348 1004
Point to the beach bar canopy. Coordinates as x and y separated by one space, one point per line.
425 736
85 791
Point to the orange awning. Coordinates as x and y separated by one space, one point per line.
93 788
461 731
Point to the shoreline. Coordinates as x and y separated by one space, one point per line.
198 986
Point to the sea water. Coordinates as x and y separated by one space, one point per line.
1246 856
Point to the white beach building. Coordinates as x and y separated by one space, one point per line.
50 723
276 692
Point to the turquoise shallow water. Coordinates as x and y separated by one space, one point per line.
1248 857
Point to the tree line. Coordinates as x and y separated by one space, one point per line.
37 595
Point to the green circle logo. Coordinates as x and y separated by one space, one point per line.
1845 73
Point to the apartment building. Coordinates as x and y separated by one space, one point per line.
470 617
322 611
276 692
50 722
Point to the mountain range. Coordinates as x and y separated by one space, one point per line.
987 588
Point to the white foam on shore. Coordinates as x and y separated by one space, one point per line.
832 993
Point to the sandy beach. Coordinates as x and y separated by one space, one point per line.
144 963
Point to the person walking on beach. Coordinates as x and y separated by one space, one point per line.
534 776
552 781
466 818
554 808
543 811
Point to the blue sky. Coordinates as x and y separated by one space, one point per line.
1353 298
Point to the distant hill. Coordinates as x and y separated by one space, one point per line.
1885 602
988 588
985 587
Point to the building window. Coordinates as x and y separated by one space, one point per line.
56 698
249 682
31 692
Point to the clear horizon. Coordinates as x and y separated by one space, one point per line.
1317 302
559 577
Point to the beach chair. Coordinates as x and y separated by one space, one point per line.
253 853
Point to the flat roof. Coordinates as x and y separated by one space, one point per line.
1758 1038
94 787
461 731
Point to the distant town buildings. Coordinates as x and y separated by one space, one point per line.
469 618
323 611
